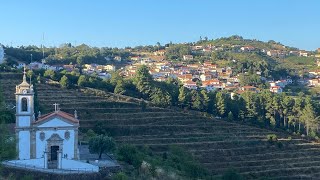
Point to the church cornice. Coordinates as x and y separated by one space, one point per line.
62 116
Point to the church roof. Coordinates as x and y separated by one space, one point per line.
64 115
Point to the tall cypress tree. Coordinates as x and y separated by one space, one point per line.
221 104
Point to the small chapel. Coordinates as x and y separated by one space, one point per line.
49 140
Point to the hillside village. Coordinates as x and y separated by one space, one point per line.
197 69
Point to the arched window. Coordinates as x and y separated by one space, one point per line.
24 104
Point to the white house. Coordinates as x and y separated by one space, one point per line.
117 58
190 85
205 77
110 67
187 57
276 89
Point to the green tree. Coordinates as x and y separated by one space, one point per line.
30 74
101 144
251 101
80 60
143 80
183 98
287 104
120 87
115 77
297 112
230 116
64 82
160 97
82 81
276 103
221 104
50 74
205 100
269 108
196 100
89 134
309 117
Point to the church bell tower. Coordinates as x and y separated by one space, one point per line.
24 117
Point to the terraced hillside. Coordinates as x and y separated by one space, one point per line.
217 144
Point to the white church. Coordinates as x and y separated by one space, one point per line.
49 141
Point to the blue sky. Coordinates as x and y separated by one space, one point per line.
129 23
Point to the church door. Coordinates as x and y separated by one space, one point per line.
54 153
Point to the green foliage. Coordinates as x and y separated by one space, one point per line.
120 87
64 82
184 97
101 144
50 74
120 176
272 138
230 116
183 161
196 100
82 81
66 54
6 116
89 135
250 79
27 177
221 103
176 161
143 80
8 144
298 62
231 174
160 98
130 155
177 51
308 116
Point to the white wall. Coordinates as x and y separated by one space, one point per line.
55 123
24 145
39 163
78 165
68 145
23 121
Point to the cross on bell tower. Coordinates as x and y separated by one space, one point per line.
24 74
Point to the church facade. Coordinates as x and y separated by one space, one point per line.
51 136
